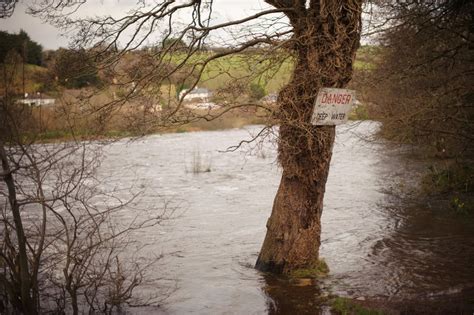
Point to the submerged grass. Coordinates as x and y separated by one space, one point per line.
455 177
344 306
455 181
318 270
198 165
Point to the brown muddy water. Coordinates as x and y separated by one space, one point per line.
378 247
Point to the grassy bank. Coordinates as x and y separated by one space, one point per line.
53 127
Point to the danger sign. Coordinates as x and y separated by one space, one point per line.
332 106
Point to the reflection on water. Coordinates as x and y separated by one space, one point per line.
302 296
375 246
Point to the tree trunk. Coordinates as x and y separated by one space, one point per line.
294 227
326 37
22 276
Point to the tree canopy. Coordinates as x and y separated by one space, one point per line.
174 44
21 44
74 68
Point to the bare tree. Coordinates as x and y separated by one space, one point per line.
421 90
424 90
319 37
63 245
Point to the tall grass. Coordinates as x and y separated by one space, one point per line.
199 164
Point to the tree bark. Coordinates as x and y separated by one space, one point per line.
326 37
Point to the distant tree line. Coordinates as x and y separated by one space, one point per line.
20 43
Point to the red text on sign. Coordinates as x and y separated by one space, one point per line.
329 98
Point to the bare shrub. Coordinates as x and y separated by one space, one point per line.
65 242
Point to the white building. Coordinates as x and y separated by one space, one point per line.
203 106
196 94
270 98
37 100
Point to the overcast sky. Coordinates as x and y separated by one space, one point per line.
52 38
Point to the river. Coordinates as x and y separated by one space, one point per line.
377 246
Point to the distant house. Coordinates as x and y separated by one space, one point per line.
196 94
202 106
37 99
270 98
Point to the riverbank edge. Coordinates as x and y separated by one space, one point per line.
55 136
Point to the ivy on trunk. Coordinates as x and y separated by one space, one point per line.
325 38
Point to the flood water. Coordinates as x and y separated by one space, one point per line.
376 246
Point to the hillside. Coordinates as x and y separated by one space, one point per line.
32 76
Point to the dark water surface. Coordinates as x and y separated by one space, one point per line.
376 246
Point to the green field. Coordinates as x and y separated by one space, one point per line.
271 74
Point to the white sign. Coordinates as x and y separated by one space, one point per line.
332 106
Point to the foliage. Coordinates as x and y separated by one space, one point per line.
174 44
36 78
458 205
256 91
21 44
